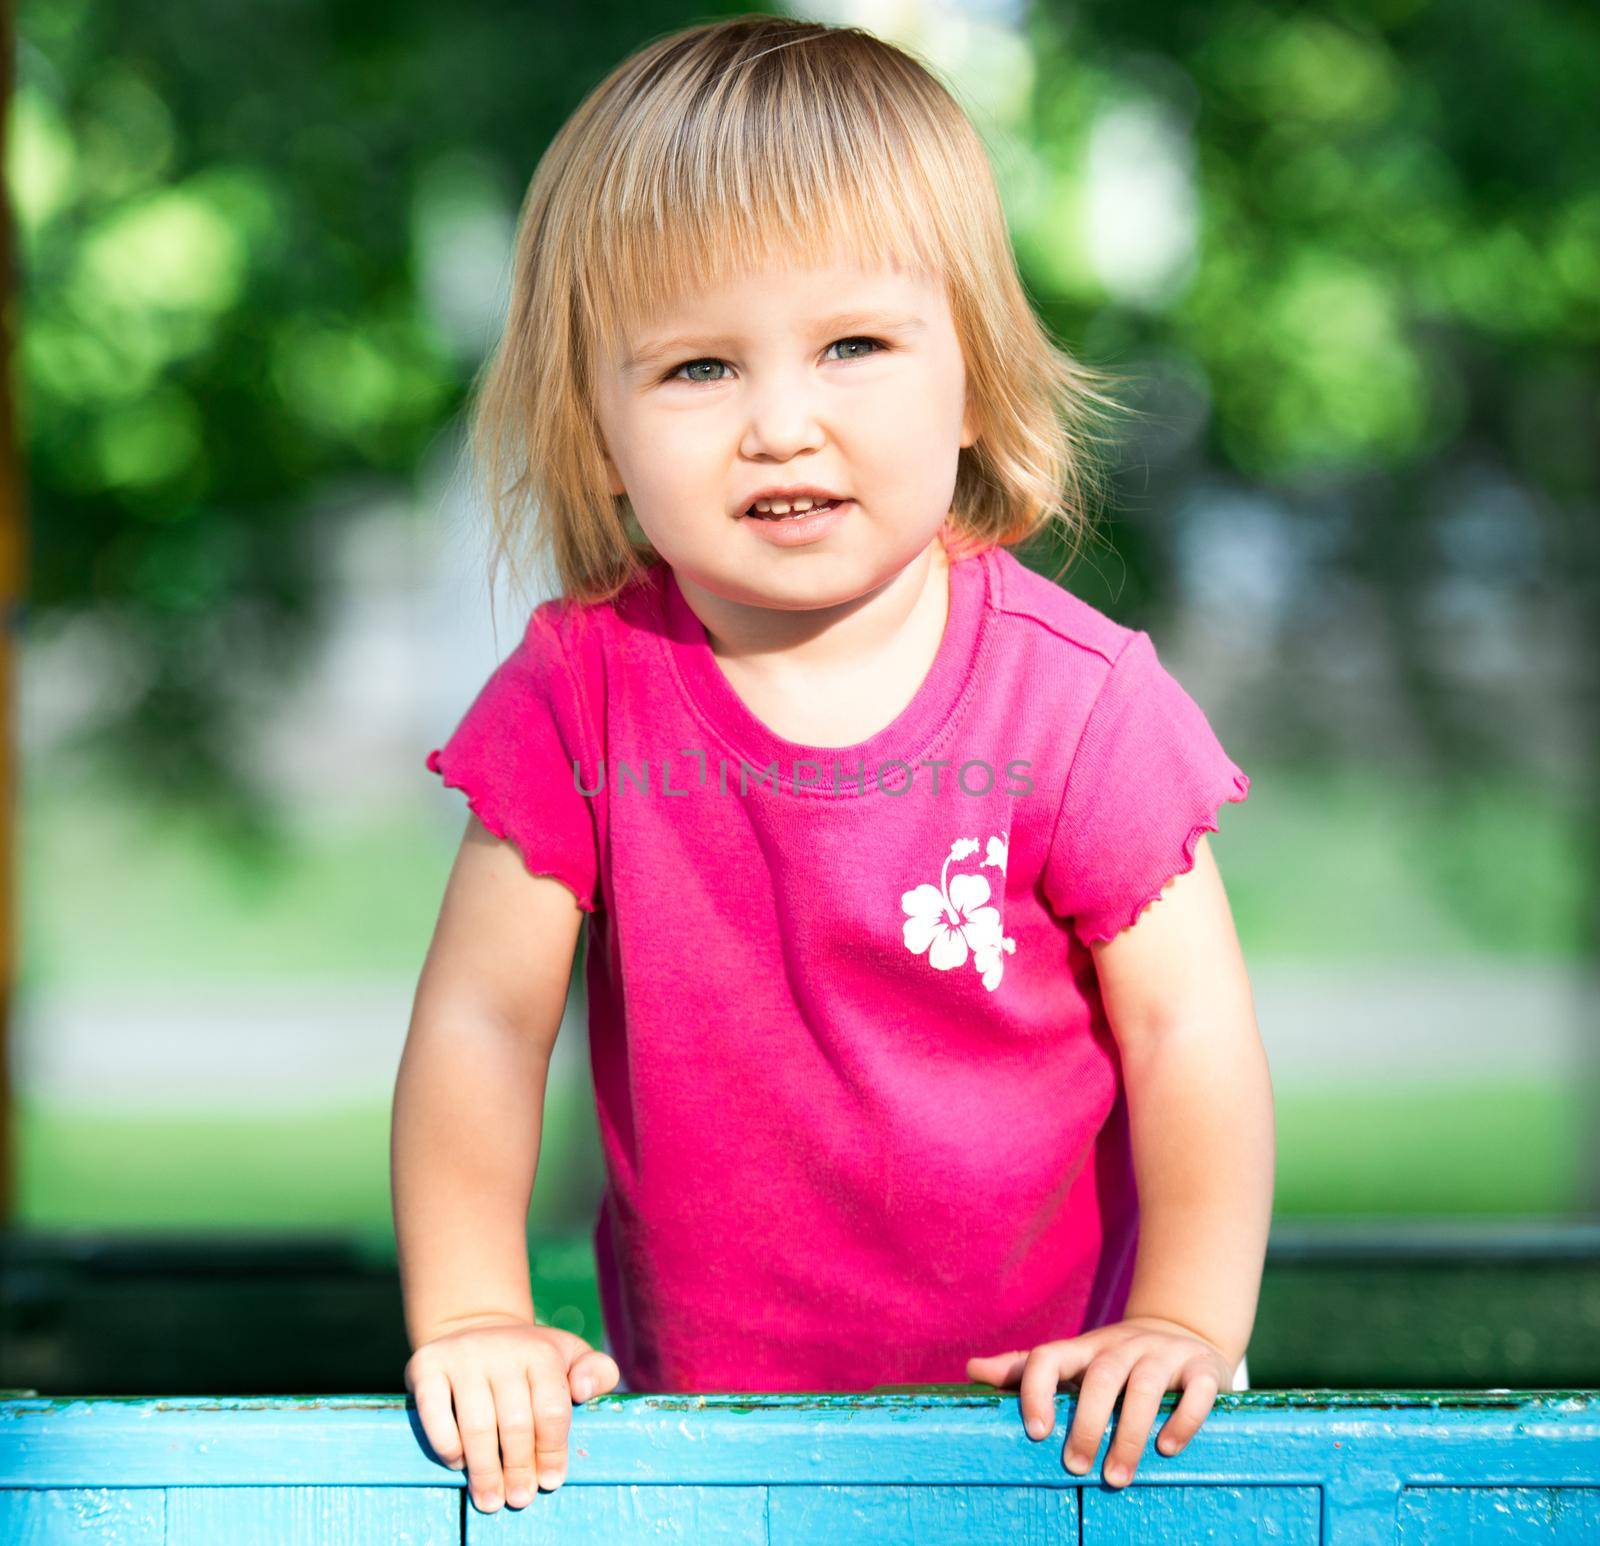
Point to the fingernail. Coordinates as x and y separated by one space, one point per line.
583 1388
1077 1464
1116 1475
550 1480
1036 1427
490 1500
519 1497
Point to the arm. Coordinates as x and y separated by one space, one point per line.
1200 1108
469 1096
1201 1120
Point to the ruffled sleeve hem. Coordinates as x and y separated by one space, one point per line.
493 822
1094 928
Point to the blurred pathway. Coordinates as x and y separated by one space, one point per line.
311 1046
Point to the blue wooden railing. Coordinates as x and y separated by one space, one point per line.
924 1464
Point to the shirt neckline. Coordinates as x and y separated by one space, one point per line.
907 737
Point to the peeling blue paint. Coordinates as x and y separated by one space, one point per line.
917 1464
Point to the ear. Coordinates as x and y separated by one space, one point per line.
969 425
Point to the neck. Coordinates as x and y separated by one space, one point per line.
774 642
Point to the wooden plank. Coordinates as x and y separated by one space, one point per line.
937 1463
313 1516
1507 1516
69 1516
1475 1304
1159 1516
928 1516
583 1516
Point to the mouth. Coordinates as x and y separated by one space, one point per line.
818 507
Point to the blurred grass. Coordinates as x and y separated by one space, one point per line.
322 1170
115 894
1349 866
1479 1149
1492 1148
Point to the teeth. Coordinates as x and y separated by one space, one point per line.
784 506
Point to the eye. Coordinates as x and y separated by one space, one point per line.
877 346
676 374
672 375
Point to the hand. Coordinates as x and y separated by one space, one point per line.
513 1385
1152 1355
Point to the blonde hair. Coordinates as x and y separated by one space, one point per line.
691 164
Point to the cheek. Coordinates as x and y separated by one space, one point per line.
930 403
917 430
651 454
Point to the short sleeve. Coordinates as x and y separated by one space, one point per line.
1147 779
513 755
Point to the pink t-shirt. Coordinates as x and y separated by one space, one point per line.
860 1105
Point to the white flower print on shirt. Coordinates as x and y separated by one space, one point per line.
952 919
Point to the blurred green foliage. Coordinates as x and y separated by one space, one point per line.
258 246
228 220
1389 319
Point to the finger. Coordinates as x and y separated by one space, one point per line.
1036 1395
513 1409
431 1391
592 1374
1199 1395
552 1421
1148 1381
1097 1394
479 1440
1002 1369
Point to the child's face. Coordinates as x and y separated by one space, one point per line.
780 390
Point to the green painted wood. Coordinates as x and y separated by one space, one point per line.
1400 1304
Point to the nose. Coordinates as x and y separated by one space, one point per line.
782 418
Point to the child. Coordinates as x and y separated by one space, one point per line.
899 1077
